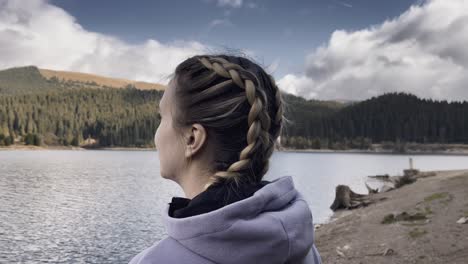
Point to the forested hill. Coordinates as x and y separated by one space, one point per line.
58 111
62 111
393 117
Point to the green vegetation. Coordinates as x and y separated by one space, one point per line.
5 140
113 117
428 210
416 232
436 196
33 139
393 120
443 197
404 216
388 219
37 111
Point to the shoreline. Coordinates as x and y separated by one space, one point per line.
32 147
366 235
448 152
457 152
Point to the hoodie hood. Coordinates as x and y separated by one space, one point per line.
274 225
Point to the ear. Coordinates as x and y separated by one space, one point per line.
196 139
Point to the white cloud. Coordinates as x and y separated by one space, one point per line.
230 3
299 85
423 51
35 32
344 4
233 3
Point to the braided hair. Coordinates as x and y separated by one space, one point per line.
241 108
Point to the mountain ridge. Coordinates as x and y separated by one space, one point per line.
26 79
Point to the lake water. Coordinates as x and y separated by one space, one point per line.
59 206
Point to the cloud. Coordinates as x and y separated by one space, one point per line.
230 3
344 4
233 3
219 22
299 85
423 51
35 32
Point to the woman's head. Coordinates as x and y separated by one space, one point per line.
224 110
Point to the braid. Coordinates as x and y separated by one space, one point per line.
276 126
279 113
260 124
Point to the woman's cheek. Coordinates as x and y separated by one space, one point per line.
156 137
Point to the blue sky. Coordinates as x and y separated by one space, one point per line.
273 29
350 49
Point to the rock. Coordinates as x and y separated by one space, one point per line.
341 254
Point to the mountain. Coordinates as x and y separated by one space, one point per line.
44 107
31 79
392 117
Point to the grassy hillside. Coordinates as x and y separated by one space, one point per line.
98 80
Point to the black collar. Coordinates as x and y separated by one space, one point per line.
214 197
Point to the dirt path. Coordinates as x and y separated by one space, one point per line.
432 236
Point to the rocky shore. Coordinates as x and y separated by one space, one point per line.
421 222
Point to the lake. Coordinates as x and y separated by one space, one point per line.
104 206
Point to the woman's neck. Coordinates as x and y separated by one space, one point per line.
193 181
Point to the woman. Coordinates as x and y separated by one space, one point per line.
220 119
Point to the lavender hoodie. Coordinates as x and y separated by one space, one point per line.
272 226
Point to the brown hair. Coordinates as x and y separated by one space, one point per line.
240 107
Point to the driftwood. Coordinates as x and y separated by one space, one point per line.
345 198
399 181
409 176
384 177
370 190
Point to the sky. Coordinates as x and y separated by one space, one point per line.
317 49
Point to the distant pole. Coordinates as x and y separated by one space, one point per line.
411 163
